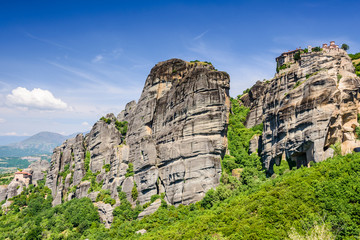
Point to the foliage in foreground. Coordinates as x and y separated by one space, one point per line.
32 217
324 198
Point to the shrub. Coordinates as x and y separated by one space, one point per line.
339 76
106 120
106 167
345 46
87 161
316 49
125 212
122 127
134 192
154 197
297 56
105 196
130 170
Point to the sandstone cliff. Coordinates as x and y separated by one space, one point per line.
306 108
175 138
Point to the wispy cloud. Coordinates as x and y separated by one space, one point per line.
48 41
2 120
200 35
76 72
98 58
108 55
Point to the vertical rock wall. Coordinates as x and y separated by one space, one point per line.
306 108
178 133
175 140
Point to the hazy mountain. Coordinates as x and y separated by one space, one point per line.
6 140
40 143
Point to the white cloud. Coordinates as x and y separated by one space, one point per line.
98 58
37 98
85 124
2 120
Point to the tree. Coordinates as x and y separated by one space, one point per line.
345 46
297 56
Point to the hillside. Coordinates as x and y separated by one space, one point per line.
323 198
321 201
156 166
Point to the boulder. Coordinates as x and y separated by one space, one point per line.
105 213
150 209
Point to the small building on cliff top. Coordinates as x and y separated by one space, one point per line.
24 177
287 57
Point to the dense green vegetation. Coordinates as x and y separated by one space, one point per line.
326 194
239 137
356 62
354 56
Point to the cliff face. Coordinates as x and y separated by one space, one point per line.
175 140
306 108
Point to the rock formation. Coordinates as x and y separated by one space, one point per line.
306 108
37 171
150 209
175 138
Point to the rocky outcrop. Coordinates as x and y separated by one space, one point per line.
37 171
306 108
174 143
3 192
150 209
105 213
127 113
141 231
178 133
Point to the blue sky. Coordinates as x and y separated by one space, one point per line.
64 64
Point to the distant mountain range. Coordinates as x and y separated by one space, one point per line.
40 143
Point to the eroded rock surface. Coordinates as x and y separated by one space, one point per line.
150 209
306 108
105 213
178 133
174 143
